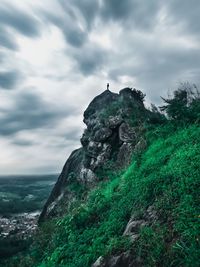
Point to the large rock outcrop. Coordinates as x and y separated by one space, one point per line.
113 132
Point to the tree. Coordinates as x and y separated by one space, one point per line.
185 104
138 94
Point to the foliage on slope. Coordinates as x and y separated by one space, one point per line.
167 176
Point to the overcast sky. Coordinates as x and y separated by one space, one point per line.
56 55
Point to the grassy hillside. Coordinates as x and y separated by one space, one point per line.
167 176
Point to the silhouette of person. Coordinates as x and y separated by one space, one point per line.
107 86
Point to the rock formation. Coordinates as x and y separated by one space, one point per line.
114 133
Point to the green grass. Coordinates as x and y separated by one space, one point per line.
166 176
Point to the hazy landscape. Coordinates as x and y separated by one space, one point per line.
19 194
21 200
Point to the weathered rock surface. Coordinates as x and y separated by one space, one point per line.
133 227
109 136
124 259
126 133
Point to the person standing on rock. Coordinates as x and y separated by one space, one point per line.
107 86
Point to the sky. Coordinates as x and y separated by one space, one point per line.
57 55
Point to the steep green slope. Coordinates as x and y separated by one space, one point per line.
166 177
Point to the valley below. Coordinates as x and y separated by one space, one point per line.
21 201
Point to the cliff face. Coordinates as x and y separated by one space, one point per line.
114 132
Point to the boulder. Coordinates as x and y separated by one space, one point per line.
102 134
133 227
126 133
113 121
124 259
125 154
99 262
140 146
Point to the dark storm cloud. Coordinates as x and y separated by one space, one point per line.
9 79
73 34
185 12
116 9
72 134
135 13
90 59
159 68
75 37
30 112
85 9
2 57
6 40
22 143
19 20
88 56
139 13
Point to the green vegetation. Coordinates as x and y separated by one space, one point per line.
165 176
184 106
12 245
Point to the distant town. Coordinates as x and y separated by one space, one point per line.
21 226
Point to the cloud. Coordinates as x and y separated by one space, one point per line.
90 59
9 79
81 17
20 21
25 143
6 40
72 32
74 36
75 21
85 11
31 112
73 134
156 70
185 13
116 9
134 13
